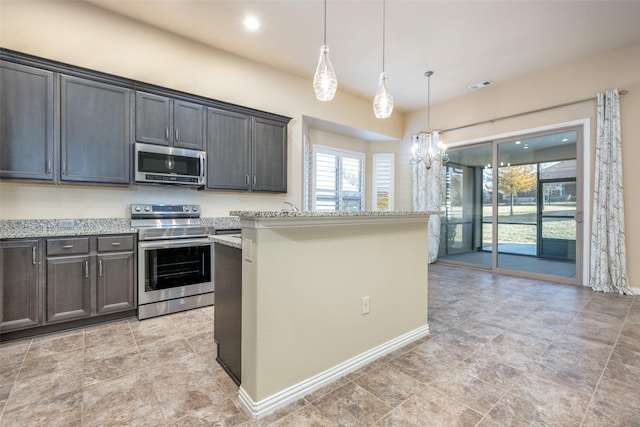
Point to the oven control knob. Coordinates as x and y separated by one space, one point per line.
186 208
137 208
147 209
194 209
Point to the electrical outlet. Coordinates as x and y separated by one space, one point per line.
66 223
365 305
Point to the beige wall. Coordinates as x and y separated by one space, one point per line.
304 289
619 69
85 35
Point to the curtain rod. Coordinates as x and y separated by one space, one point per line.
622 92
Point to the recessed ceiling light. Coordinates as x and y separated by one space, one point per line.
518 142
251 23
565 139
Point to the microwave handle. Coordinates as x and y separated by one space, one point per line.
201 166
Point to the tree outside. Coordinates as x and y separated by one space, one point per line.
515 179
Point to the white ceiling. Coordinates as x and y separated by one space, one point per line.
463 42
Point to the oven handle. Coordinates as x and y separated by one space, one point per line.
177 243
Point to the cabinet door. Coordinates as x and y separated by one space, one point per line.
19 296
269 160
115 284
188 125
228 145
68 288
95 131
153 118
26 122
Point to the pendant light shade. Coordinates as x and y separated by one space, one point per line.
325 82
427 146
383 101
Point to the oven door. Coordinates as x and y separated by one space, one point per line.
170 269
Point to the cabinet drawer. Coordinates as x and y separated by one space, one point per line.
69 246
115 243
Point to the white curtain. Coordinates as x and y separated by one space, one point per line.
608 243
426 188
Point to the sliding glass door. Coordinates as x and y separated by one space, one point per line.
514 205
466 205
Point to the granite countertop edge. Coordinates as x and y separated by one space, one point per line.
37 228
232 240
308 214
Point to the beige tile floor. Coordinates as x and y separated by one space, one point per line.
503 351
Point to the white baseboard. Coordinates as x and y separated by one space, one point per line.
635 291
297 391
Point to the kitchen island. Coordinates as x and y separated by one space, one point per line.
323 294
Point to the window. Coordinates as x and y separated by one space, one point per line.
383 174
338 180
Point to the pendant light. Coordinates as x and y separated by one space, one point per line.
427 146
383 101
325 82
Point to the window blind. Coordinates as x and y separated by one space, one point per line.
338 180
383 181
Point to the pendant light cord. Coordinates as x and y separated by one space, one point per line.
383 32
428 74
428 102
325 22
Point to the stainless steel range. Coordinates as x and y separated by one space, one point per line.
175 259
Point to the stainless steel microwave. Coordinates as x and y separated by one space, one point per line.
158 164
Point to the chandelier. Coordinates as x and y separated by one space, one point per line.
427 146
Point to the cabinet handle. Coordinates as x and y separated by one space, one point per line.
115 244
177 135
67 246
100 267
166 133
246 179
34 255
49 165
86 269
64 167
254 180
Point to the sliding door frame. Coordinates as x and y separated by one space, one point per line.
583 182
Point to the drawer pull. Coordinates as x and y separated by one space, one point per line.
115 244
67 246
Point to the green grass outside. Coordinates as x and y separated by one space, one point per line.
521 226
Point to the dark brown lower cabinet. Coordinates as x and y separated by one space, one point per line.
228 308
48 283
68 288
19 284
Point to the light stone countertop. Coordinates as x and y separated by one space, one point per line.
232 240
287 218
35 228
305 214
